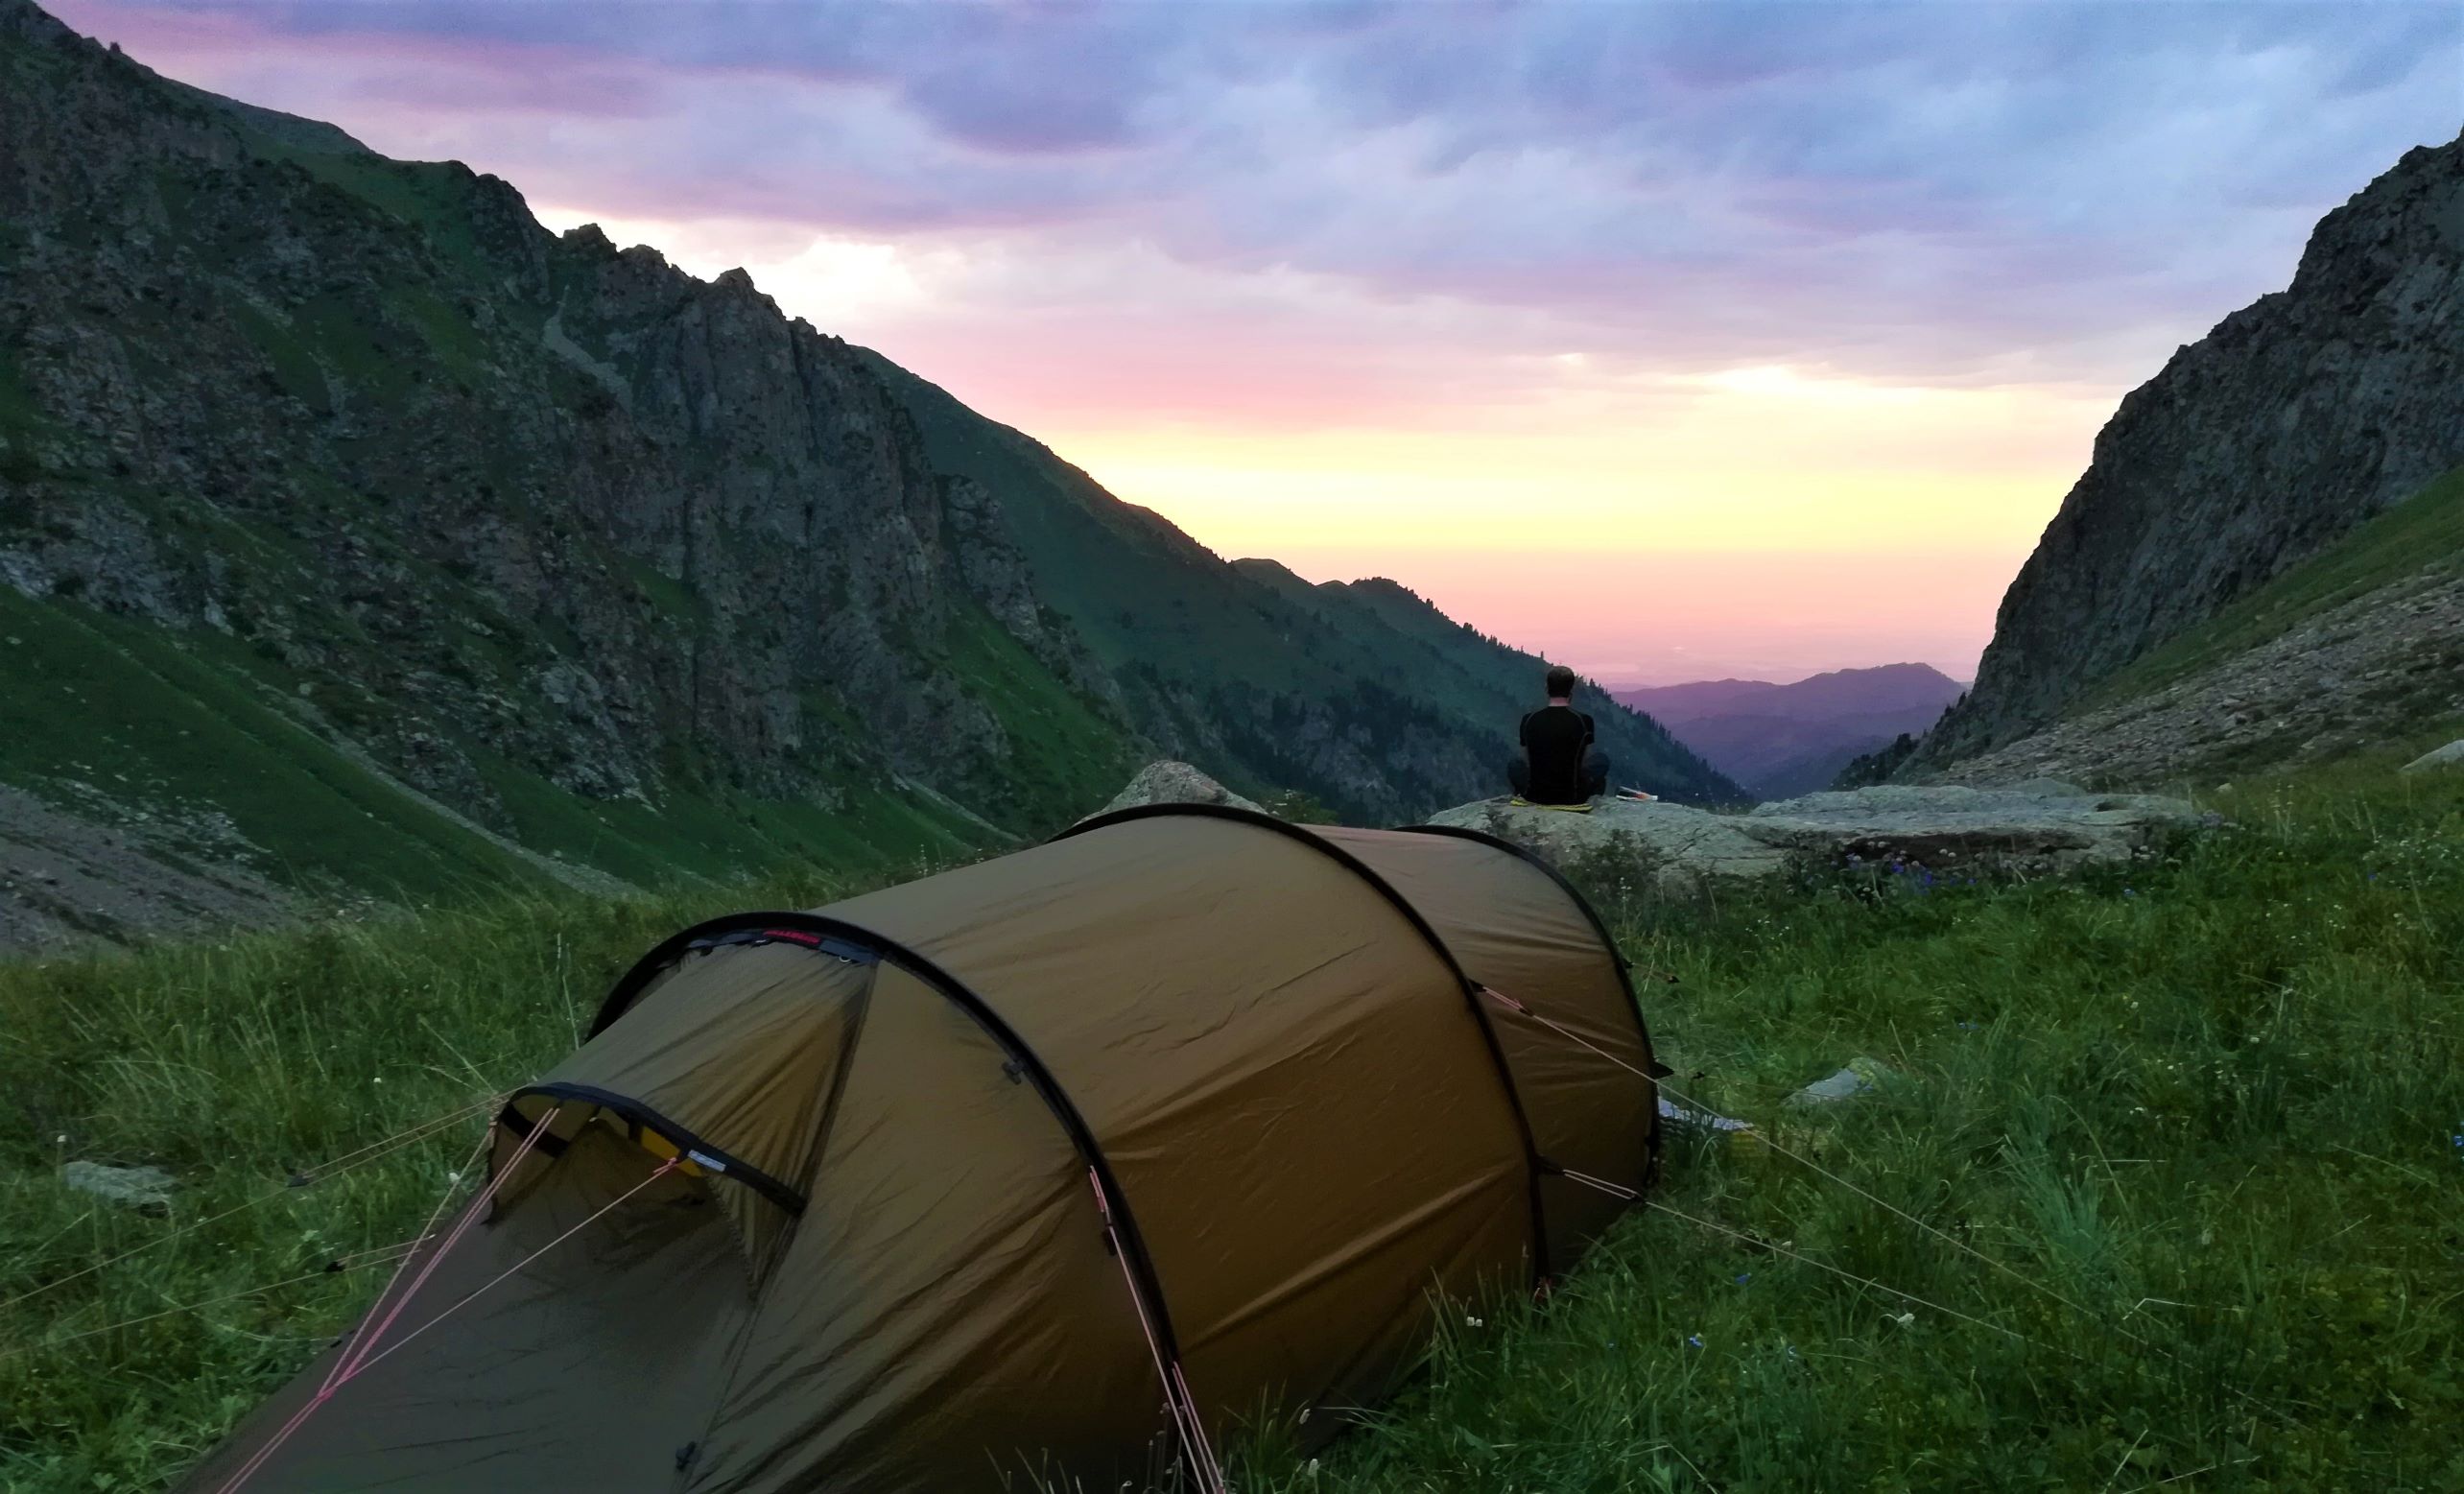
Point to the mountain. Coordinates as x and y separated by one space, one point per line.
1781 741
358 534
2296 420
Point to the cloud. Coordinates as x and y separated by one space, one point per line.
1899 188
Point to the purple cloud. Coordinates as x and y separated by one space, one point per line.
1921 191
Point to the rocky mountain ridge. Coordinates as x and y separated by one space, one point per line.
2297 419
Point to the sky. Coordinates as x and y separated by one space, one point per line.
1673 341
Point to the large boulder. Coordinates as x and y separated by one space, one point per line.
2037 826
2451 755
1169 782
1680 845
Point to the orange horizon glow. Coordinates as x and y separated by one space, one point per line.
1580 506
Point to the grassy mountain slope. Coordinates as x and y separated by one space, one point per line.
2416 542
2209 1099
1364 694
2363 642
198 747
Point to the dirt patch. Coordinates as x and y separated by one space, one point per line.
65 879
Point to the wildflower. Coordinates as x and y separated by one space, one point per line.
1472 1322
1903 1319
1694 1338
1742 1277
2129 892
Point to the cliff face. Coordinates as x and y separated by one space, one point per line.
2295 420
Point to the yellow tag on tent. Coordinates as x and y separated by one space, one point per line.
661 1147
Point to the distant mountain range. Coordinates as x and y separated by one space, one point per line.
1780 741
360 535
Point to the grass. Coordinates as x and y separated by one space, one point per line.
2421 537
2207 1098
232 1064
122 708
2211 1098
187 732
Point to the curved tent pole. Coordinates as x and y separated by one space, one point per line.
1534 1166
817 933
1608 941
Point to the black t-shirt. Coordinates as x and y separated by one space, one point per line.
1556 737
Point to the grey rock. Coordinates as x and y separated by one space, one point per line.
1175 783
1861 1076
2037 829
143 1188
2451 755
1676 845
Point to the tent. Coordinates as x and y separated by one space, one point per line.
1052 1168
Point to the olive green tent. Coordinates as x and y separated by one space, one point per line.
1052 1167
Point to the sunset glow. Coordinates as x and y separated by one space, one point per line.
1667 340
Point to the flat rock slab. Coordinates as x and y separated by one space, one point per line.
2047 825
145 1188
1680 844
2036 826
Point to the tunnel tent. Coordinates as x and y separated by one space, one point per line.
1057 1165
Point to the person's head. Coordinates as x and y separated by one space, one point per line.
1561 682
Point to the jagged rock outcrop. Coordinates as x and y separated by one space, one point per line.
2036 828
1175 783
2295 420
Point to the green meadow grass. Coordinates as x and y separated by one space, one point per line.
2206 1106
2201 1109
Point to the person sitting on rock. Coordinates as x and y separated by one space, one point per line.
1559 763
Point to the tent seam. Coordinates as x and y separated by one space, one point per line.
1534 1166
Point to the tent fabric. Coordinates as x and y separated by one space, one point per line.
877 1263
